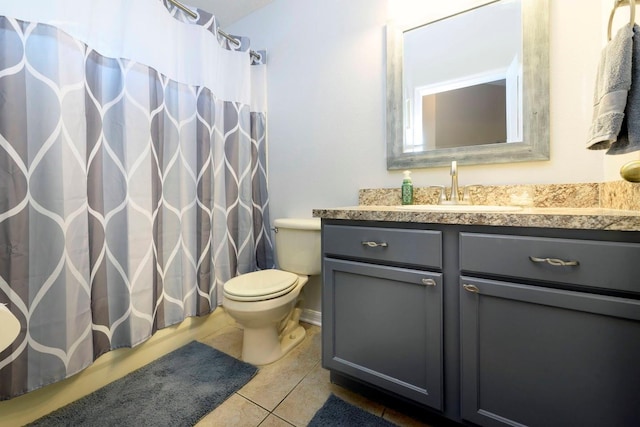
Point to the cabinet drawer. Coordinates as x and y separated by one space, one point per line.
399 246
607 265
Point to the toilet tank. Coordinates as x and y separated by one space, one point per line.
297 242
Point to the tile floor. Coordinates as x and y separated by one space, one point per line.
288 392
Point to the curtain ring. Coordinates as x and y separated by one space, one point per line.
632 14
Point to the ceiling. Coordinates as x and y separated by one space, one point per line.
228 11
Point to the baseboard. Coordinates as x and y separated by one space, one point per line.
311 316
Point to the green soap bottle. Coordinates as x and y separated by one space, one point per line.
407 189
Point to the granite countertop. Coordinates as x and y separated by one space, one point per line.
568 218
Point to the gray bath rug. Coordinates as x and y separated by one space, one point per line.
176 390
337 413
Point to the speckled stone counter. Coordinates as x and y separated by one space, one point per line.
590 206
611 195
568 218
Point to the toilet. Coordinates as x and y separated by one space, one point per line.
266 303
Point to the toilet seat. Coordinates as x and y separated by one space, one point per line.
260 285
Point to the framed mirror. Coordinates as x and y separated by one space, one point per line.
471 87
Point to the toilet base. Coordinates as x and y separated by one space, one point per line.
262 346
292 339
271 327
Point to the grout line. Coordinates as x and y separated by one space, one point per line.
281 419
294 387
283 399
255 403
317 363
384 409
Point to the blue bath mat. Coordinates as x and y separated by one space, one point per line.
176 390
337 413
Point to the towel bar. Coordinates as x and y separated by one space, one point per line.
632 14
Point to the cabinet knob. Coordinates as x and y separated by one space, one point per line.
554 261
428 282
375 244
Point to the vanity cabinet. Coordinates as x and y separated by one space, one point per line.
382 309
553 342
487 325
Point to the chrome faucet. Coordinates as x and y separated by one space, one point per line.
454 196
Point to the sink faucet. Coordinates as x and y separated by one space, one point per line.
454 183
454 197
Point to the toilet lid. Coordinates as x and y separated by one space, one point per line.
260 285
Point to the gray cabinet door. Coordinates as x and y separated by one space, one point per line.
383 325
546 357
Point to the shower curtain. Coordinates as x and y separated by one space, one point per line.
132 176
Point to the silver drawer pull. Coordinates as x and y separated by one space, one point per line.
428 282
554 261
471 288
375 244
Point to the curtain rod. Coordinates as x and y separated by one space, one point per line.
194 15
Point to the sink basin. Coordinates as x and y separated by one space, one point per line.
460 208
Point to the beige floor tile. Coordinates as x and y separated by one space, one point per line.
273 421
294 388
273 382
235 412
312 344
301 404
225 319
228 340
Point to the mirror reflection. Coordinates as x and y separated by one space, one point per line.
471 87
467 90
470 115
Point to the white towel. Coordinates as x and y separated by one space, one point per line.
629 136
612 87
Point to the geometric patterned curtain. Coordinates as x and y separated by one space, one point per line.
127 199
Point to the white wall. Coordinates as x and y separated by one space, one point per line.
326 111
325 100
